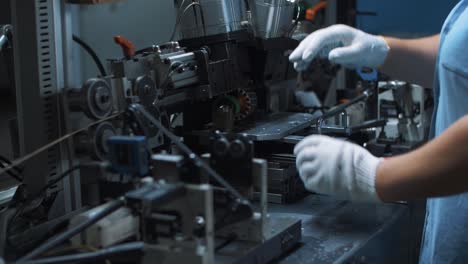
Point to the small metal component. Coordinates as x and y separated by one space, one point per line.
200 221
237 148
5 34
94 98
175 68
221 147
102 133
94 142
248 104
167 167
278 126
146 89
224 118
189 243
232 149
342 108
142 127
403 105
284 183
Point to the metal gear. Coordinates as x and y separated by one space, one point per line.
248 104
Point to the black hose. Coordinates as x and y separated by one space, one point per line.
136 247
56 180
61 238
92 53
62 176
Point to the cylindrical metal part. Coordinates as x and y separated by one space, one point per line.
224 118
273 18
94 142
209 17
94 98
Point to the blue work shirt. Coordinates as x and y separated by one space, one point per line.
446 229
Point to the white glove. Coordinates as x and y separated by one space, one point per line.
342 45
335 167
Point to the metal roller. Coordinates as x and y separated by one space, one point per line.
94 99
94 141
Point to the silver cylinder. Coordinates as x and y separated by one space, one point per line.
219 16
273 18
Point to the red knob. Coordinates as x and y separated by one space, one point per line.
127 47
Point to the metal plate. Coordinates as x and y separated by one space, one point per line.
278 126
284 235
336 231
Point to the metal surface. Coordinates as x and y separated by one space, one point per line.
369 127
273 18
36 83
210 17
175 68
188 246
165 67
42 70
257 228
283 180
32 85
292 139
278 126
258 238
283 235
339 231
7 195
65 63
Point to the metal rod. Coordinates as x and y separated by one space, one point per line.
340 108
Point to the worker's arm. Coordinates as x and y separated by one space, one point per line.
439 168
407 60
348 171
412 60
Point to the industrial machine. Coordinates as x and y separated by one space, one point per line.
174 153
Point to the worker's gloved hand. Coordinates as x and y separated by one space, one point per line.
335 167
341 44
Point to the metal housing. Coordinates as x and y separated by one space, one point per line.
209 17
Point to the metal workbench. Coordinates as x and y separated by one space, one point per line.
341 232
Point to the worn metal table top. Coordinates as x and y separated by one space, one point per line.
338 231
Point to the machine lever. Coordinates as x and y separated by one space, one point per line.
128 47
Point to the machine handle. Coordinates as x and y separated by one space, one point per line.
128 47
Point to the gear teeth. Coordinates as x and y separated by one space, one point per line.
251 104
